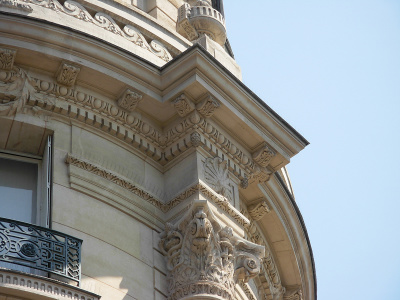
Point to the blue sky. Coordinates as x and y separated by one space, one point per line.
332 70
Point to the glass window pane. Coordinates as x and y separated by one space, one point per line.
18 190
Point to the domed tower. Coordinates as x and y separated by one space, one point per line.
135 164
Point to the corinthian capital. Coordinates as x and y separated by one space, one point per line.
204 259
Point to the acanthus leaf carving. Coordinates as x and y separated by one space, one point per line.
257 211
67 74
264 156
295 294
16 87
208 106
129 100
183 105
205 259
7 57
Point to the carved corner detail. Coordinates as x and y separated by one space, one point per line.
204 259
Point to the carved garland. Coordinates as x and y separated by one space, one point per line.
100 19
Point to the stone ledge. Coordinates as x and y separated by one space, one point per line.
15 283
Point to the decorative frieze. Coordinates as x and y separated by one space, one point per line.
129 100
100 19
183 105
7 57
204 259
208 106
16 5
264 156
257 211
67 74
162 146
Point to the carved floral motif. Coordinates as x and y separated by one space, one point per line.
16 87
293 295
129 100
208 106
7 57
205 259
67 74
257 211
216 175
264 156
183 105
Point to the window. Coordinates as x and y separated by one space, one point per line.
25 192
25 187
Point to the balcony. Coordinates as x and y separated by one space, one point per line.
40 248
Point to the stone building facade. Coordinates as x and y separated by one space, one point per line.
135 164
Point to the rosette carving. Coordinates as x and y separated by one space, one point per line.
205 259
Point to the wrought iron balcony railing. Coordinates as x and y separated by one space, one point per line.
40 248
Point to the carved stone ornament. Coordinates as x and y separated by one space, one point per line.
244 183
263 156
67 74
195 138
204 259
198 18
16 5
257 211
217 177
183 105
293 295
208 106
7 57
16 87
129 100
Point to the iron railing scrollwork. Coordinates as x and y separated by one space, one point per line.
40 248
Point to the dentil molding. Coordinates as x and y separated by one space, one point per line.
17 90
